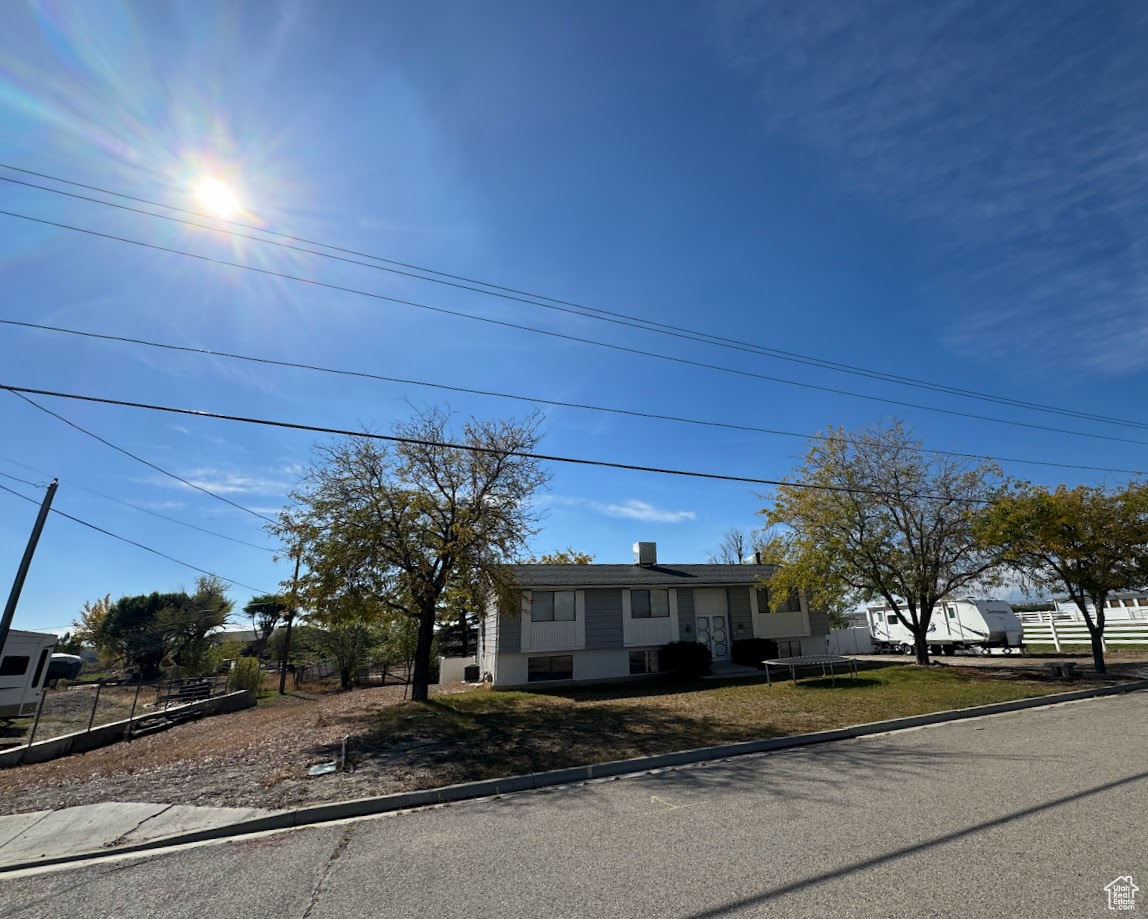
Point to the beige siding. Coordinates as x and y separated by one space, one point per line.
645 632
553 636
781 625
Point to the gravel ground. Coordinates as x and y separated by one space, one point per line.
254 758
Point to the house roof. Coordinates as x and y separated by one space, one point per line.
574 576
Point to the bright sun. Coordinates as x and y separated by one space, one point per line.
217 197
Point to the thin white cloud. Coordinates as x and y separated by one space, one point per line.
228 482
634 509
631 509
162 505
1007 136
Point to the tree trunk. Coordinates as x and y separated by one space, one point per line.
420 685
286 657
462 624
1096 632
1098 652
922 648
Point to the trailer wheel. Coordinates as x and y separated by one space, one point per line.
908 649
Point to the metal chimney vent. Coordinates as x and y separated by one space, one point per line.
646 554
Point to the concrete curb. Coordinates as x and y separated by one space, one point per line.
408 800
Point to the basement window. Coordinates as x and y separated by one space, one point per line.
643 662
556 667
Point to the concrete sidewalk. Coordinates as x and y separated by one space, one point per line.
92 827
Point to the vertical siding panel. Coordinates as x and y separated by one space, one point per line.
603 619
740 614
686 613
509 632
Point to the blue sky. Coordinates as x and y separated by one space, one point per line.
951 191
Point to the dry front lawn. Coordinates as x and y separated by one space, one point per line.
259 757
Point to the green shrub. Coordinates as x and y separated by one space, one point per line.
685 658
245 675
750 652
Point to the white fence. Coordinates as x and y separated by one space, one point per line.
855 640
453 669
1057 632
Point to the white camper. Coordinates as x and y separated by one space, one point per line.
967 624
23 672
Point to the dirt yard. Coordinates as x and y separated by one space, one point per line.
259 757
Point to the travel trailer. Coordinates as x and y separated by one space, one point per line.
23 672
967 624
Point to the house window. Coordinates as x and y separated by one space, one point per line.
791 603
552 606
643 662
649 604
1129 602
15 665
763 599
789 649
555 667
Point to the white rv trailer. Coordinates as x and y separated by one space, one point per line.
964 624
23 672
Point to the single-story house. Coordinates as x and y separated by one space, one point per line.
601 622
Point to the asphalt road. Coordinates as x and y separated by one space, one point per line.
1026 814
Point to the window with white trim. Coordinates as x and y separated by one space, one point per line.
789 603
649 604
552 606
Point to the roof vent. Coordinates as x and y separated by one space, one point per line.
646 554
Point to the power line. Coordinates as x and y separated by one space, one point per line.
633 413
541 300
574 338
16 478
140 459
132 542
135 507
414 441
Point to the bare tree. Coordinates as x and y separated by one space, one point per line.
733 549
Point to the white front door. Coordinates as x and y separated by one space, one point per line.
711 621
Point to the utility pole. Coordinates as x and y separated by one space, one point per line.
25 562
